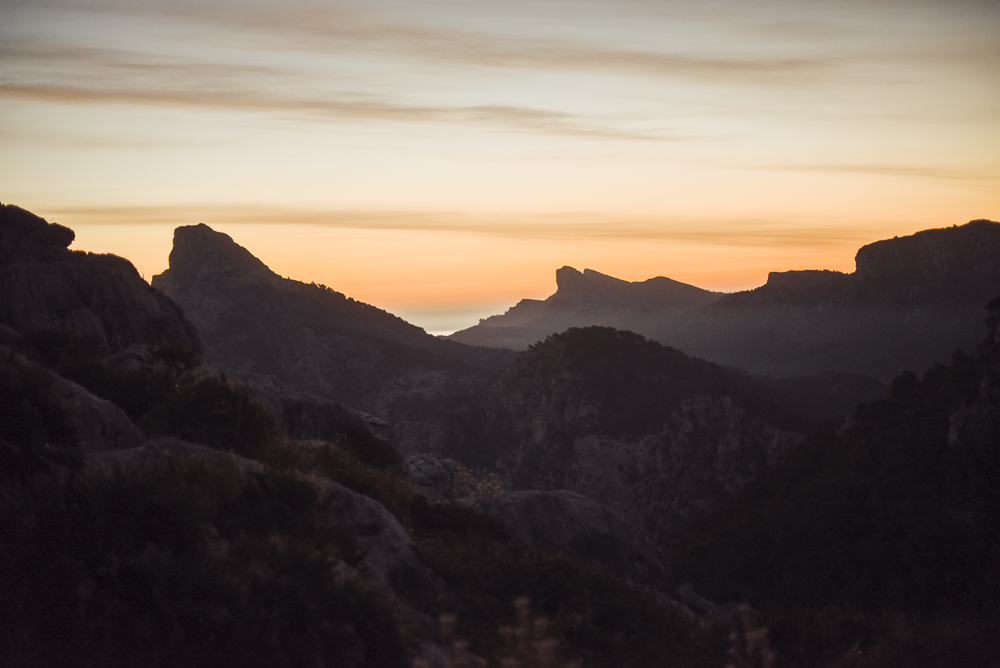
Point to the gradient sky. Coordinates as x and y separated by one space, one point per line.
441 159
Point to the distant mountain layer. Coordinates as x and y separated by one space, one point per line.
909 303
580 300
254 321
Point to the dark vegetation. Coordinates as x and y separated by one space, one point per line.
193 563
185 565
82 361
882 536
201 562
631 383
636 381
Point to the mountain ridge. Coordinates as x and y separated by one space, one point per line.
909 302
256 322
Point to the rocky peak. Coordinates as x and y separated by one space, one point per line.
958 262
592 289
199 250
100 298
25 237
568 279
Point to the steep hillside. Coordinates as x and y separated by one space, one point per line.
890 522
638 426
254 321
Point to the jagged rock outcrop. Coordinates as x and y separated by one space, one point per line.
708 450
305 416
102 298
256 322
564 521
909 303
67 412
960 263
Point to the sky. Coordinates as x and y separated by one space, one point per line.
442 158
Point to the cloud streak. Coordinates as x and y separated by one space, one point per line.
336 109
906 171
565 226
338 31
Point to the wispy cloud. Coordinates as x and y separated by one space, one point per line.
569 225
907 171
333 108
336 31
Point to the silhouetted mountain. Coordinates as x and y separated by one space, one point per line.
101 298
256 322
910 302
154 511
580 300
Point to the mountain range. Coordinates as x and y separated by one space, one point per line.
184 475
910 302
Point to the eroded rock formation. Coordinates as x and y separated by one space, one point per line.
100 298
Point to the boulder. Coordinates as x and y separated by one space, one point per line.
566 522
308 417
433 473
389 557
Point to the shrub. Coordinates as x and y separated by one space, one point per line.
190 564
214 412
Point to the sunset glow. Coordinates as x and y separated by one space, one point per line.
441 159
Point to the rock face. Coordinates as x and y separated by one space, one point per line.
644 429
388 556
909 303
433 473
256 322
305 416
70 411
564 521
46 286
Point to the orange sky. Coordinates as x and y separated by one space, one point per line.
441 159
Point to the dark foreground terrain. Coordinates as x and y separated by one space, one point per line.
159 510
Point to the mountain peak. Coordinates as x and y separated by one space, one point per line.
25 237
568 278
199 250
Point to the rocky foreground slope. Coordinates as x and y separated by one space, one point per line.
910 302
